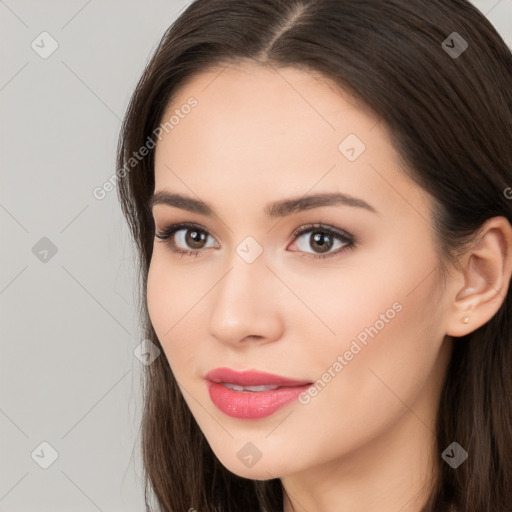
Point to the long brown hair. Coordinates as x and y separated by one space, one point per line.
450 118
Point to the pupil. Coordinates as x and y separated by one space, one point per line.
318 237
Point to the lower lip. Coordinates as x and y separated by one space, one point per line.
252 405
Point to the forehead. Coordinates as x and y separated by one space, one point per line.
265 101
276 132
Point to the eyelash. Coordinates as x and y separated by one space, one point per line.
165 236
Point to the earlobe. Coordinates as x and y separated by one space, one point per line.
485 270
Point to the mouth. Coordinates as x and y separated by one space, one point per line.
251 394
252 389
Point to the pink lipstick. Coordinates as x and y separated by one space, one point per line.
251 394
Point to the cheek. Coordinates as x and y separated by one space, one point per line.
164 301
172 296
389 341
359 302
383 313
170 292
388 288
158 301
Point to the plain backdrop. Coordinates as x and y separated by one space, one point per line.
69 378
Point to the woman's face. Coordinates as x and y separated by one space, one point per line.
364 326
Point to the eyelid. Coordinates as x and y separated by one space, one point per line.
306 228
176 226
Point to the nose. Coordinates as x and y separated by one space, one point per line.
247 304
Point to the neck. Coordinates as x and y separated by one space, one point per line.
394 472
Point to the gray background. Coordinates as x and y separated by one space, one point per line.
68 374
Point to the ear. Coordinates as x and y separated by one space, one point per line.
483 278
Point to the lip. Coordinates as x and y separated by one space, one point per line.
251 404
251 378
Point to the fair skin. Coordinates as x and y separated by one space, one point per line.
365 443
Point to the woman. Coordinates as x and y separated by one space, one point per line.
319 192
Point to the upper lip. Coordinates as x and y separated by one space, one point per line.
251 378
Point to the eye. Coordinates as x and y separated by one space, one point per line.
323 239
192 235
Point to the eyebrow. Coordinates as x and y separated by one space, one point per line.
273 210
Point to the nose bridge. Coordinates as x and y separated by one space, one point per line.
242 302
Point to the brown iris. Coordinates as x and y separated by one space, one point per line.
193 237
319 240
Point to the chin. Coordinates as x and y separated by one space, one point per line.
258 472
256 469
